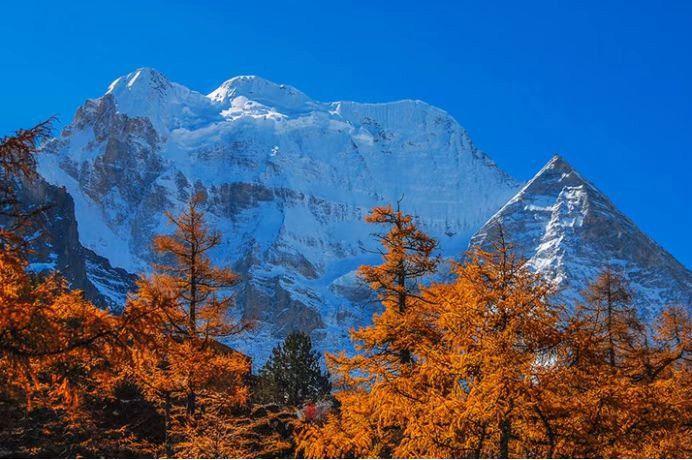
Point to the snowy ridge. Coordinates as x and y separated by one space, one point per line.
283 98
288 180
569 231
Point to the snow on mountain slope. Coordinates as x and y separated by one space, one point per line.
569 231
55 246
288 180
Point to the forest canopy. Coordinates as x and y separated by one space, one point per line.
481 364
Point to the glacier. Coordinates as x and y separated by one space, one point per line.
287 180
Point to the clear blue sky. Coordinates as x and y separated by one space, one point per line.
607 84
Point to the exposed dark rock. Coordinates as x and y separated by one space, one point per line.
56 246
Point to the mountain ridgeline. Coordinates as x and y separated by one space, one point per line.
287 180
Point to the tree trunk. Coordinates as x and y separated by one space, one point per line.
548 431
611 344
404 355
167 426
505 432
481 439
191 399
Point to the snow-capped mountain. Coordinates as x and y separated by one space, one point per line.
569 231
287 181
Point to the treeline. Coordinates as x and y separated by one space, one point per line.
482 366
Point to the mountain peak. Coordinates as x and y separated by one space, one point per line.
147 93
142 79
568 231
557 173
261 90
557 162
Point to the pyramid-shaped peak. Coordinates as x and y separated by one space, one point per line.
568 231
558 172
556 164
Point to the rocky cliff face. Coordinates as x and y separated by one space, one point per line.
287 180
55 246
569 231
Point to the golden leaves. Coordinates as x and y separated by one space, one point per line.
497 370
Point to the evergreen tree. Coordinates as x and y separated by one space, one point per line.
292 375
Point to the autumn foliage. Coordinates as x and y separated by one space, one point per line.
483 364
57 350
184 311
494 369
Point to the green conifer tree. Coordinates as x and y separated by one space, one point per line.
292 375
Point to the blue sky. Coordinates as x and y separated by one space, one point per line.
607 84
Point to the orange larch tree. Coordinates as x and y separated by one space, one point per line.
625 384
180 357
57 350
478 391
370 424
42 322
17 166
478 347
408 256
196 283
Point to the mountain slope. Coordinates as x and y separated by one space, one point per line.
287 180
55 246
569 231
